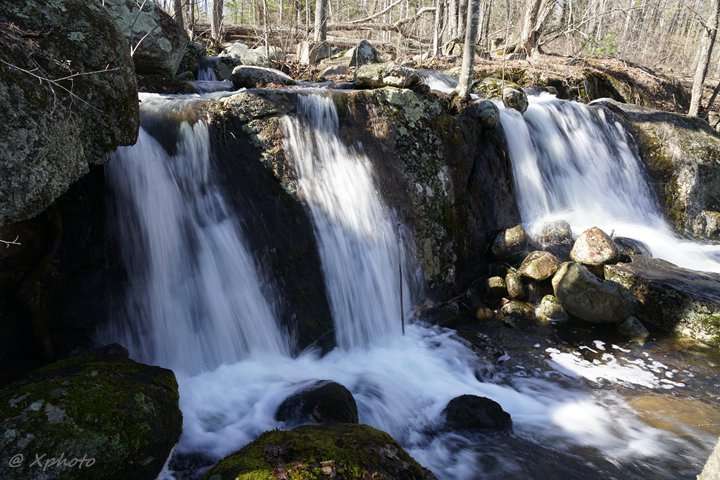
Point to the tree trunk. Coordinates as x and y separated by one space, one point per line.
320 20
437 27
535 16
466 72
191 18
462 14
452 19
178 13
266 33
216 20
708 43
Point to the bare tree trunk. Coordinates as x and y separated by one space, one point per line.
216 20
452 19
266 35
535 16
462 14
191 18
320 20
708 43
466 71
178 13
437 27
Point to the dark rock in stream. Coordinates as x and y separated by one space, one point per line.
627 247
670 298
342 451
107 416
245 76
474 413
321 402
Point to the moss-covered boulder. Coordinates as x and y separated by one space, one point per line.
159 42
682 156
672 299
116 418
67 96
343 451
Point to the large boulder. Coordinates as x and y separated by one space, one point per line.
320 402
238 53
712 467
311 53
387 74
245 76
159 43
515 98
105 415
362 54
670 298
594 247
590 298
319 452
539 265
510 243
682 156
54 130
475 413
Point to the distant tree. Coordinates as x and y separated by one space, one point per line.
706 49
466 70
320 20
216 19
536 13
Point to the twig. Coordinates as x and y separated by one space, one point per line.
7 243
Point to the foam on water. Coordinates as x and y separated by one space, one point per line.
577 163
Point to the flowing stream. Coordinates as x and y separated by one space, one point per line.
576 163
197 302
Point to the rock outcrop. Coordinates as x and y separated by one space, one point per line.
712 467
253 77
158 42
682 156
319 452
68 95
672 299
108 417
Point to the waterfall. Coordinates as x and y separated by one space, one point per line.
195 298
577 163
358 236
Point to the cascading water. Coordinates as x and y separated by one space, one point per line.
576 163
195 300
358 236
197 303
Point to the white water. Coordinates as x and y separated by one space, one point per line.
573 162
358 236
197 304
195 298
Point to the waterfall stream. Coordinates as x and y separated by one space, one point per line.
576 163
198 303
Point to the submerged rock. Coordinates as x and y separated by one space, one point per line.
510 243
51 137
515 99
539 265
474 413
634 330
594 247
549 310
253 77
320 452
321 402
589 298
120 417
670 298
627 247
514 312
159 42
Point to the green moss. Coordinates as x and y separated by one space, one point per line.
350 452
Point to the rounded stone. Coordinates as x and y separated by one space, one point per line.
594 247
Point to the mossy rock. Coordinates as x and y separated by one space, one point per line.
342 452
493 87
121 417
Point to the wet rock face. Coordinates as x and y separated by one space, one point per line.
594 247
321 402
118 417
474 413
160 42
510 243
670 298
515 99
589 298
50 137
320 452
682 156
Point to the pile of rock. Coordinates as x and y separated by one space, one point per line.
550 278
